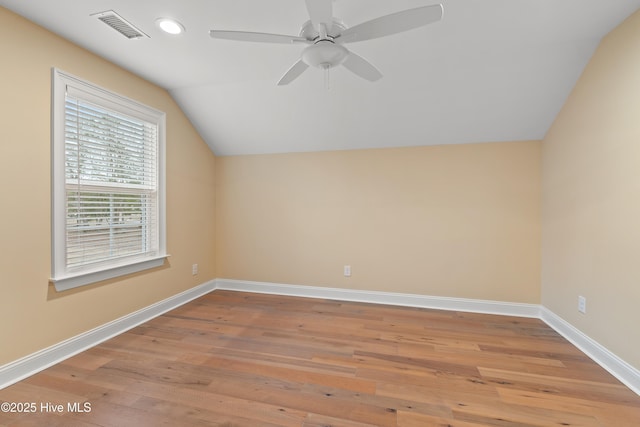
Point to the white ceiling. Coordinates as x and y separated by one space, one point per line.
491 70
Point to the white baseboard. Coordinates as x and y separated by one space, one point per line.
36 362
391 298
617 367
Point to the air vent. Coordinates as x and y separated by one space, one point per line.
120 24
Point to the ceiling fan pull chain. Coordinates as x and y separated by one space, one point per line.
326 77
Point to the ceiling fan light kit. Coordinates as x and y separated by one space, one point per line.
326 36
324 54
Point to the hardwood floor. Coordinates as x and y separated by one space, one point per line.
240 359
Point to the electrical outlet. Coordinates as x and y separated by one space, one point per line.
347 271
194 269
582 304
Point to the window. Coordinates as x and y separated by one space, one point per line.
107 184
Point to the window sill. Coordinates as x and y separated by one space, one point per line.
87 278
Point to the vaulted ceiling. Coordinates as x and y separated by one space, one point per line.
491 70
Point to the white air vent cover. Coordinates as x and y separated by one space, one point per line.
120 24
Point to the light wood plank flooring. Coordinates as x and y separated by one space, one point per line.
240 359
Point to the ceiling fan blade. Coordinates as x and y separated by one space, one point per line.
247 36
392 24
361 67
320 12
293 73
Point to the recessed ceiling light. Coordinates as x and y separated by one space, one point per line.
170 26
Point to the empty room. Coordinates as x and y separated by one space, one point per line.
320 213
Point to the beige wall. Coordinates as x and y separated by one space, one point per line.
33 316
591 203
457 221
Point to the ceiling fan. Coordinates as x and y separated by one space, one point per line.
326 36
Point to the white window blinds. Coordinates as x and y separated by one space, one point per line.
109 214
110 176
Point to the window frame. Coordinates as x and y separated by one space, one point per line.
62 277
